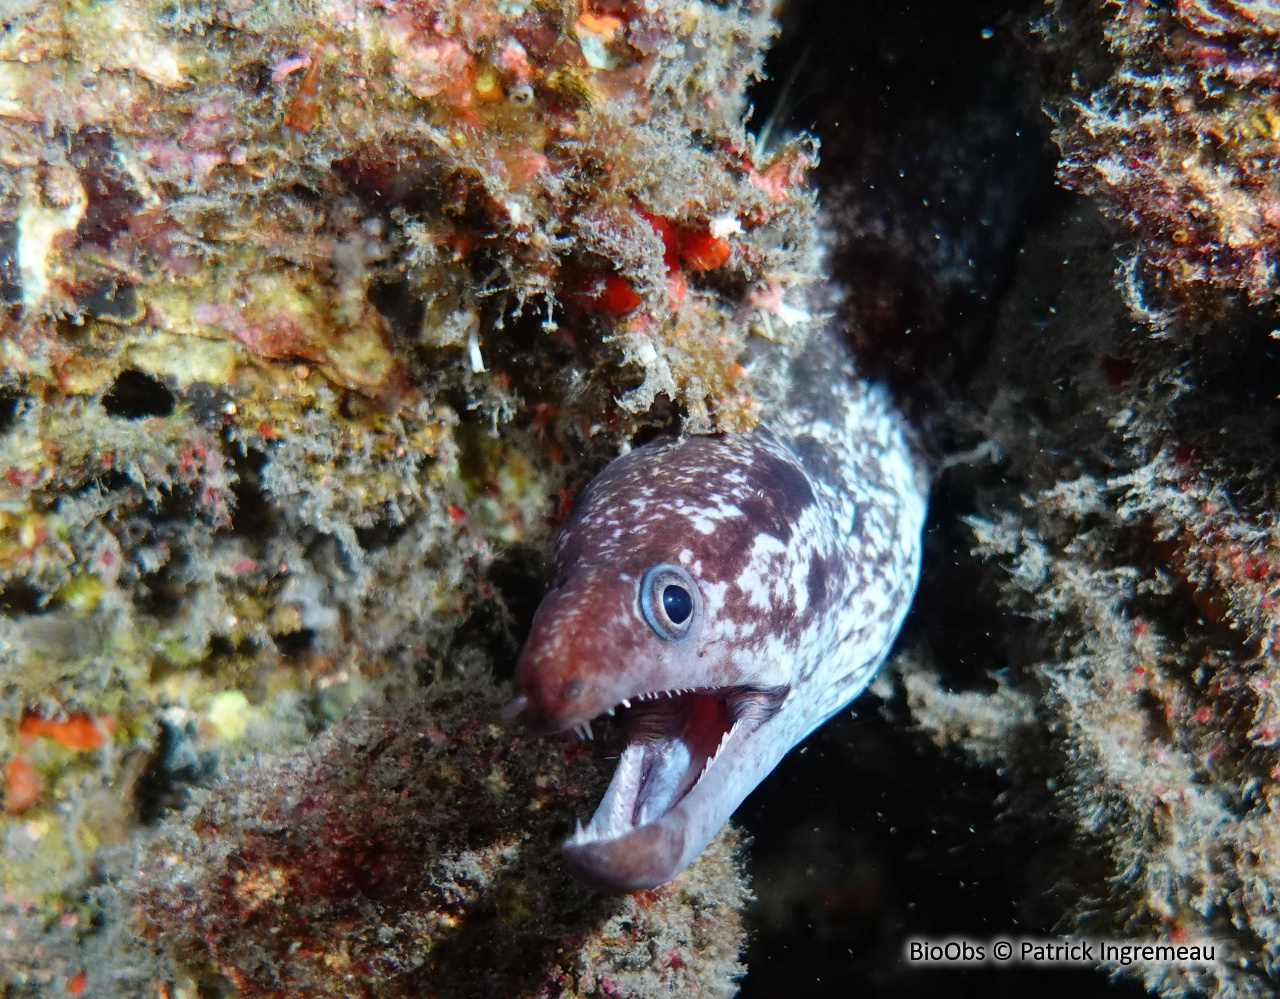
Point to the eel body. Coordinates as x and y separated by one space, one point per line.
724 595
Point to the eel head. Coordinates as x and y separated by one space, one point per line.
639 644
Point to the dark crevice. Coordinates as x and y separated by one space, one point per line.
935 162
10 278
135 396
254 516
499 625
10 409
221 647
160 593
175 766
113 301
17 596
295 643
381 534
397 303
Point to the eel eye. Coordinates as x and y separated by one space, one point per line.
668 597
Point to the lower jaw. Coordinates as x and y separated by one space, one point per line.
628 847
646 857
643 837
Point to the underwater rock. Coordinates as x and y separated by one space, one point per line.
314 318
1174 133
414 849
1134 535
1129 531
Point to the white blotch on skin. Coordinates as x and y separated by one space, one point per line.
762 566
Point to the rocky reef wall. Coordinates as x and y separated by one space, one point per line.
1128 527
315 317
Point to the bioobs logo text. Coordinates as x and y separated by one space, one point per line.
946 952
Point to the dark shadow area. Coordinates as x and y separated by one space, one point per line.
160 594
135 396
175 766
294 644
254 516
10 409
381 534
113 301
499 625
935 160
10 276
886 840
18 597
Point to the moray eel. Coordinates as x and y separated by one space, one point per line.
725 595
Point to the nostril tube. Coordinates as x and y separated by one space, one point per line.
513 708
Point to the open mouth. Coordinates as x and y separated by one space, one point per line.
674 738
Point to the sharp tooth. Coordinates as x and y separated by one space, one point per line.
714 756
611 712
587 727
724 739
626 703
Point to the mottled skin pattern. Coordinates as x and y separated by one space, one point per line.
803 541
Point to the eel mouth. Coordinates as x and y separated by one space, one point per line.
674 739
